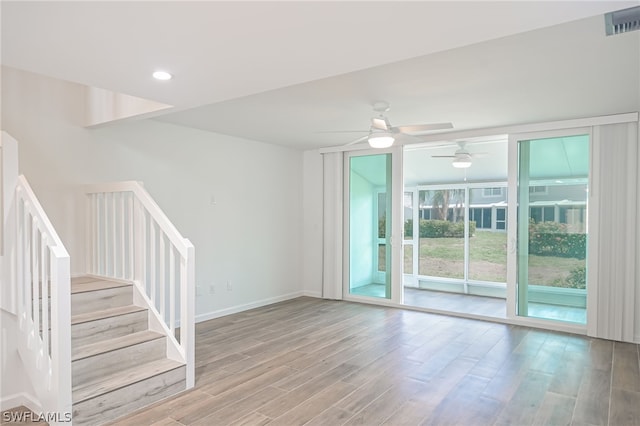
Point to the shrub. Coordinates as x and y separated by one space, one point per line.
547 227
577 279
444 229
431 228
408 228
552 239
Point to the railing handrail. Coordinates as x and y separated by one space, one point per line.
181 243
42 217
142 251
49 364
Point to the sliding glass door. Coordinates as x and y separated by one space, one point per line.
552 194
370 220
477 233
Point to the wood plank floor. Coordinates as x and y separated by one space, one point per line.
318 362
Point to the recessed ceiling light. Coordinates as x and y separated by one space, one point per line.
162 75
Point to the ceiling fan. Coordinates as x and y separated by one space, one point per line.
382 134
462 157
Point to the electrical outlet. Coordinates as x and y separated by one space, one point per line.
212 289
229 288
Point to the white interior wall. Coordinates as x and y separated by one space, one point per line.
238 201
312 222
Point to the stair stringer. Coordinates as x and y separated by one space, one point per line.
157 324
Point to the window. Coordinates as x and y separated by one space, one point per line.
538 190
543 214
481 216
549 214
501 218
492 192
574 217
425 213
486 218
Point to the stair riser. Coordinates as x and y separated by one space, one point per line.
90 301
108 328
112 405
92 368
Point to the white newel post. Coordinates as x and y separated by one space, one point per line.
61 329
187 313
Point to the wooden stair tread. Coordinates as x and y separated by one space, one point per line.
105 313
83 279
115 343
123 378
116 365
96 285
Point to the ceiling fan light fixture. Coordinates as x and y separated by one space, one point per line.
461 161
381 140
162 75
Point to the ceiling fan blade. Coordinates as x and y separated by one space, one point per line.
363 138
416 128
406 138
443 156
342 131
479 154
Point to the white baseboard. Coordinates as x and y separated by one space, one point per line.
240 308
20 399
316 294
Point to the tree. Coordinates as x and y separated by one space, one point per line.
441 201
440 204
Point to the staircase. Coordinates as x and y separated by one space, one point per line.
118 363
98 347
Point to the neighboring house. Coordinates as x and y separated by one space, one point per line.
488 206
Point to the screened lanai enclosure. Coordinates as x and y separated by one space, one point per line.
514 220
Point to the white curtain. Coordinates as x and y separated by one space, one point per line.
332 225
613 255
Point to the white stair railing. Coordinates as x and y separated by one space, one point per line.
42 274
129 238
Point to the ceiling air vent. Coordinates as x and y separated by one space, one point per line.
622 21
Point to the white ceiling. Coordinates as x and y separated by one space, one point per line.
280 72
420 167
551 159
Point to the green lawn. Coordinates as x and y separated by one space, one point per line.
444 257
